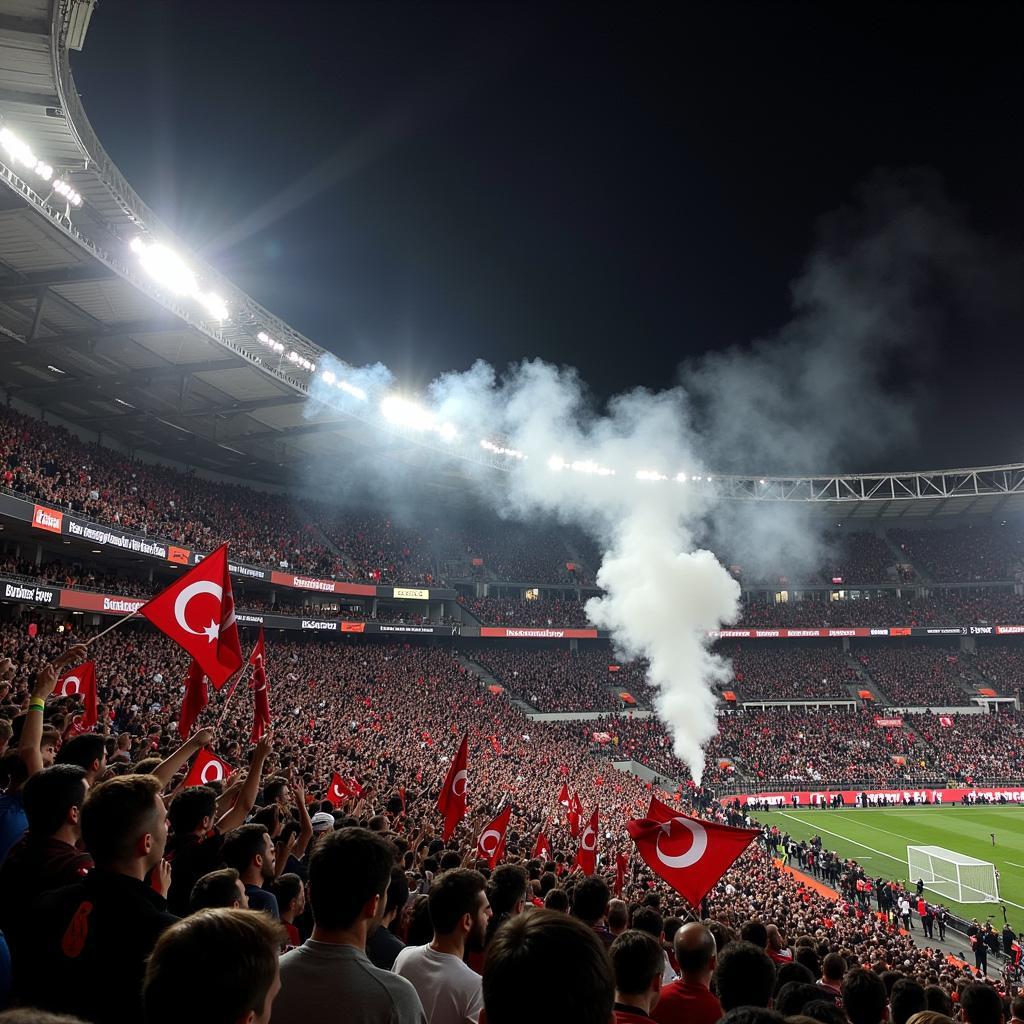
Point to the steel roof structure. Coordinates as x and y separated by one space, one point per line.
87 335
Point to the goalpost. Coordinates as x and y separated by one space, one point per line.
952 875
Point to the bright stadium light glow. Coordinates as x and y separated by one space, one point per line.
682 478
405 413
21 153
172 273
328 377
591 468
55 369
497 449
557 463
651 475
447 432
352 389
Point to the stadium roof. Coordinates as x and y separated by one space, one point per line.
133 343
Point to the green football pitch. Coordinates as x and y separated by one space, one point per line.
878 838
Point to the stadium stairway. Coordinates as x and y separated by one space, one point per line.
490 680
902 558
864 682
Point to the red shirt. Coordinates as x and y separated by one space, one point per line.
629 1015
684 1002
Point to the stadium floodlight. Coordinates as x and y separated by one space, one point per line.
556 463
952 875
352 389
214 305
166 267
17 149
497 449
405 413
328 377
591 468
447 432
651 475
681 478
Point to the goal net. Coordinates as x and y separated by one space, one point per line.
952 875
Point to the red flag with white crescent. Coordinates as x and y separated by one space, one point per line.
621 864
258 682
81 681
575 815
563 795
196 698
586 856
452 801
690 854
198 613
207 768
491 844
338 792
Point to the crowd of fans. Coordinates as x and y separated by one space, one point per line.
151 901
762 671
561 680
964 554
538 612
973 749
917 675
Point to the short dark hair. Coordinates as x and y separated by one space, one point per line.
346 870
116 813
755 932
557 900
938 1000
833 967
646 919
536 952
752 1015
48 796
398 891
450 859
242 844
825 1011
185 978
864 996
273 788
790 972
82 750
590 899
744 976
453 894
189 807
286 888
981 1004
215 889
506 887
1016 1005
637 958
793 996
906 998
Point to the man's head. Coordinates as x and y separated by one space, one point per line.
647 919
1017 1007
745 976
590 900
53 800
638 963
219 889
349 873
250 851
291 895
833 967
397 895
906 998
794 996
755 932
864 997
185 975
192 810
49 744
458 906
506 889
124 824
980 1004
618 916
695 951
89 751
537 952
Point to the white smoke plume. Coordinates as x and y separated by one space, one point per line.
813 393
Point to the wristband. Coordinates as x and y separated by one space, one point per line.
35 704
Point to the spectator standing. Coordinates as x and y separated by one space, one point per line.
690 1000
349 872
449 990
250 851
637 960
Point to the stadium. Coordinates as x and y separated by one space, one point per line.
857 702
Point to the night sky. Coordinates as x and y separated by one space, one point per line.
618 188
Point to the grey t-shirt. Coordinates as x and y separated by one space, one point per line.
321 980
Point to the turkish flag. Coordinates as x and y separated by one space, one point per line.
575 814
337 791
542 849
258 682
81 681
491 844
452 801
563 795
198 614
621 863
688 853
196 698
586 856
206 768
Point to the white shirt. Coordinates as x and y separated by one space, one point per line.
450 991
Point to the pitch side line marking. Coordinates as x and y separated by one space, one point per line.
864 846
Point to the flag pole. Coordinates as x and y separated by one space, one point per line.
124 618
231 694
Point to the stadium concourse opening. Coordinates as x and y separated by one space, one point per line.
494 699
